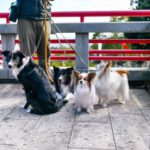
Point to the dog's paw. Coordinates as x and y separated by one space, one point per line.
104 105
122 101
28 110
69 97
90 110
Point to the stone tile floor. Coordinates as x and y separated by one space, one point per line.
118 127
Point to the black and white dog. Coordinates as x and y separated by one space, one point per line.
63 79
39 92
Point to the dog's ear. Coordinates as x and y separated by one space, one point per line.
76 74
20 54
69 70
56 69
91 76
6 53
109 64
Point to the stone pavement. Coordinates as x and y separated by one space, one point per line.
118 127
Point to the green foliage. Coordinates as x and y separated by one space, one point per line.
113 46
140 5
98 35
63 63
94 46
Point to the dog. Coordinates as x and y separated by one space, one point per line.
111 85
63 79
39 92
84 93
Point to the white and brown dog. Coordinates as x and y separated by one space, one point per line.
111 85
84 91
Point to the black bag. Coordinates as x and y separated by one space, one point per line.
14 11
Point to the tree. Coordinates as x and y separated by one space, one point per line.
111 36
115 35
139 5
98 35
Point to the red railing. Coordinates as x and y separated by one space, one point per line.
82 15
114 52
103 41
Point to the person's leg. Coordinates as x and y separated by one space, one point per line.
27 35
40 41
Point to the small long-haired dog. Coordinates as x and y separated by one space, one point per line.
84 92
63 79
38 89
111 85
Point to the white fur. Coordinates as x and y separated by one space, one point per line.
111 85
16 70
69 97
84 96
28 110
66 89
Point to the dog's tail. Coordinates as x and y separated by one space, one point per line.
107 67
122 72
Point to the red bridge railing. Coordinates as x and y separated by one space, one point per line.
82 16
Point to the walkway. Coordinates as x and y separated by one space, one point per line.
119 127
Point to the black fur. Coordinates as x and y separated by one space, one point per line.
38 89
16 56
66 75
7 54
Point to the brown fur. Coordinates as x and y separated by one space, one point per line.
77 77
122 72
89 78
109 65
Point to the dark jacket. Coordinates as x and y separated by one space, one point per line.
33 9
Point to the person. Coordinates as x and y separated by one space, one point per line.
30 28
